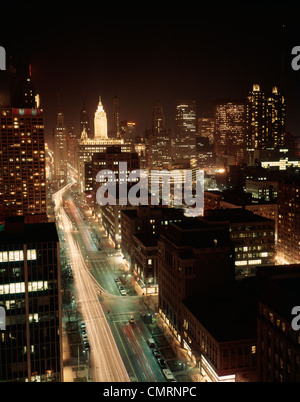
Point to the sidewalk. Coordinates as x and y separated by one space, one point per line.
71 372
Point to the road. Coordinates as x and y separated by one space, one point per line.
94 270
107 364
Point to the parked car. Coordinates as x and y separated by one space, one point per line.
151 343
156 352
162 363
123 292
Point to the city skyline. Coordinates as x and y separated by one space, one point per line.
149 196
143 61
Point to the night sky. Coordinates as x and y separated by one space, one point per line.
201 53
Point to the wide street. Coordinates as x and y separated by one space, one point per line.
118 348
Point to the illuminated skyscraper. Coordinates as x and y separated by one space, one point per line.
159 139
100 122
276 119
22 162
230 135
185 130
265 123
206 128
256 119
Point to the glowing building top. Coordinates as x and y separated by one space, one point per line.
100 122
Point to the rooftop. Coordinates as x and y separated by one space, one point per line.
28 233
197 233
233 215
228 313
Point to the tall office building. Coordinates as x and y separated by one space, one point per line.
230 135
158 119
265 121
116 118
100 122
31 345
22 162
276 120
85 120
60 148
159 140
185 130
72 145
206 128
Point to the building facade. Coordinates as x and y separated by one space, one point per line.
31 345
185 130
22 162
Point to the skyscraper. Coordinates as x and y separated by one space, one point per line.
85 120
265 121
159 139
116 118
185 130
230 135
60 147
206 128
276 119
158 119
100 122
22 162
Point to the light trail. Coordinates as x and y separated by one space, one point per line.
108 365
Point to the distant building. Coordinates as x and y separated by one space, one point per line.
230 129
116 118
72 145
85 120
185 130
265 122
262 189
128 131
31 345
160 140
87 148
100 123
60 148
158 119
206 128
